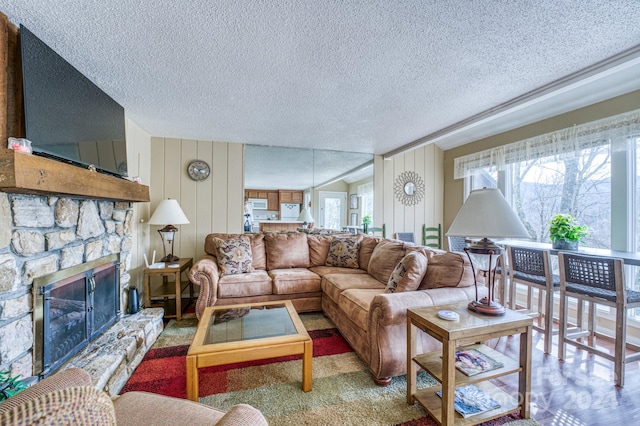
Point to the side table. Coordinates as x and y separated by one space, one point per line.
470 329
168 289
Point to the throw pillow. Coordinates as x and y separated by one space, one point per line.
234 255
408 273
343 252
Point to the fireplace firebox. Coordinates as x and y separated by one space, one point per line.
71 308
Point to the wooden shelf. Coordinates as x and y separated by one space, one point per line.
30 174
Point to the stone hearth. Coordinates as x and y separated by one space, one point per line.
40 235
112 357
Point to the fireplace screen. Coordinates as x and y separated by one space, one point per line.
72 307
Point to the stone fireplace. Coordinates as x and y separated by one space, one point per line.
43 235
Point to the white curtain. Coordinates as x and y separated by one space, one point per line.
555 145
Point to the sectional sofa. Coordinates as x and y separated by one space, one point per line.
363 284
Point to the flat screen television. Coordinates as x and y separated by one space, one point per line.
68 117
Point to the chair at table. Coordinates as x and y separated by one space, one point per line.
456 243
407 237
432 236
595 280
378 232
531 267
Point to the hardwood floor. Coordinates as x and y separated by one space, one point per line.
577 391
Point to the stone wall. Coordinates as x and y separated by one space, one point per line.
40 235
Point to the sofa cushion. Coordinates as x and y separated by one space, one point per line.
355 302
447 269
333 285
408 273
294 280
367 245
326 270
255 283
384 259
318 249
258 254
234 255
289 250
343 252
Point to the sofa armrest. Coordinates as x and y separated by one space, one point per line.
72 377
242 414
206 274
388 325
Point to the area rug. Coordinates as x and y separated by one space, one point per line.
343 391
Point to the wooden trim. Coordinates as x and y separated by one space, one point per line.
30 174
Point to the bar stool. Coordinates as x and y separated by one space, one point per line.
595 280
531 267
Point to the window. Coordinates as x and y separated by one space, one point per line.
589 171
365 192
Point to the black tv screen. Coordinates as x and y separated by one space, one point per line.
66 115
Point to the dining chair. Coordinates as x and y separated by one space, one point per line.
432 236
531 267
405 236
381 231
595 280
456 243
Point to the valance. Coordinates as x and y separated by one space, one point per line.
558 144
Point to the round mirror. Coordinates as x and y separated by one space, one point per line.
409 188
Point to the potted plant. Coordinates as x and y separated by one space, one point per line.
10 386
366 221
565 233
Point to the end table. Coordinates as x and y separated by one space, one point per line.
470 329
169 289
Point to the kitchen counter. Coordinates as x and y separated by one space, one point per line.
280 225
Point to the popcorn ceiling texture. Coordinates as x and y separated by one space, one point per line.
367 75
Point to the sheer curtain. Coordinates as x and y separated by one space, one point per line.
365 192
556 145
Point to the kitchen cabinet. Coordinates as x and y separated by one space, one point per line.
279 226
287 196
272 201
255 193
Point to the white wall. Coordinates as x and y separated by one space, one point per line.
427 162
138 164
212 205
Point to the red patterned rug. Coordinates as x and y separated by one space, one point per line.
343 392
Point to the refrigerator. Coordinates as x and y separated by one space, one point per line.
289 211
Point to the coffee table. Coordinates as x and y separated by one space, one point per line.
248 332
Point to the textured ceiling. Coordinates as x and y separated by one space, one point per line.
355 75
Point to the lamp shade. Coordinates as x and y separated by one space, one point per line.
305 216
168 212
486 213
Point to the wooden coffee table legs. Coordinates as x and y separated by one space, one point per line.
192 370
306 366
192 377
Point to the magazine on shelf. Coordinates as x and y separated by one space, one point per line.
472 361
470 400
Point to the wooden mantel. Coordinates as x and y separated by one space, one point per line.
30 174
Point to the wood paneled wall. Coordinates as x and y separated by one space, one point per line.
212 205
427 162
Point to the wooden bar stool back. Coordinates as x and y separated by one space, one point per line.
595 280
531 267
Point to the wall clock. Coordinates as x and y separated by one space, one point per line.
198 170
409 188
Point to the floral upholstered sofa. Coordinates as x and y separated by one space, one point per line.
363 284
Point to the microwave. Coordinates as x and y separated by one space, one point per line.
259 203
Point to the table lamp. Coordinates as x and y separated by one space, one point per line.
168 212
486 214
306 218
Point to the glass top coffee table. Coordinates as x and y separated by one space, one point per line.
248 332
